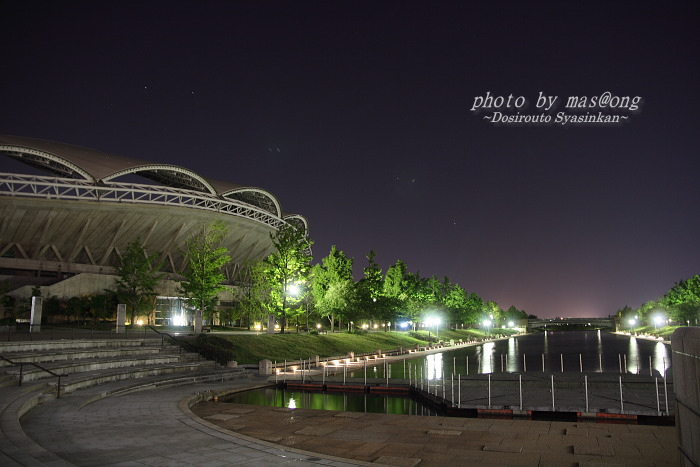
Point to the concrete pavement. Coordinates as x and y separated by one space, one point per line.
156 428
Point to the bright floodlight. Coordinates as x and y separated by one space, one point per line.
658 319
293 290
632 322
487 322
432 321
510 324
404 325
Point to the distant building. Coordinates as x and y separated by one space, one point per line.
65 231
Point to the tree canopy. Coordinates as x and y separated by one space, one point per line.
203 276
287 269
137 277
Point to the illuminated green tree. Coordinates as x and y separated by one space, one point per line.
332 286
287 268
255 300
684 300
203 276
371 298
137 278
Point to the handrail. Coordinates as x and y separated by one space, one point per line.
173 338
21 372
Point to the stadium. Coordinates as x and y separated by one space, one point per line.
65 230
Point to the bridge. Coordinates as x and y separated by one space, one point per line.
559 323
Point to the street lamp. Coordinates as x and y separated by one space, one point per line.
657 320
433 320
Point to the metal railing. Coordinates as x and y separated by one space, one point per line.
21 373
33 186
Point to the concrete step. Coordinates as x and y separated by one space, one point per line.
66 344
74 382
16 447
31 373
72 354
8 380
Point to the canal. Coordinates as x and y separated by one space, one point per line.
553 371
549 352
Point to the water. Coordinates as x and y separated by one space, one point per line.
539 358
572 351
352 402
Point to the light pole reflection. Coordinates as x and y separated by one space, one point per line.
433 364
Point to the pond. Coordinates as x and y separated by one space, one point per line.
342 401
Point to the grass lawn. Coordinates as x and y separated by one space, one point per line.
278 347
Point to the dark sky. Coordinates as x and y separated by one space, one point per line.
357 116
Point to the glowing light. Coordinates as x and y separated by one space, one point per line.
293 290
139 322
511 324
432 321
292 403
404 325
487 323
318 326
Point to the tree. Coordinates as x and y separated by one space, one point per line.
255 300
332 285
203 276
398 290
137 277
684 300
287 267
371 299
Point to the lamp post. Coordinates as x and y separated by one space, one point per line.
433 321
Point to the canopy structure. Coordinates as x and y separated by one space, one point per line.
80 216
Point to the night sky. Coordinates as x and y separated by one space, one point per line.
357 116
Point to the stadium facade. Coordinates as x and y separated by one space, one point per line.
66 230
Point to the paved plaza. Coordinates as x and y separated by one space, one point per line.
155 428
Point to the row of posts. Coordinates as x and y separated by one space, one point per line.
418 378
420 381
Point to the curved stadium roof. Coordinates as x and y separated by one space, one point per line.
88 165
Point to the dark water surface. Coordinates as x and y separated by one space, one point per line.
574 351
347 402
550 352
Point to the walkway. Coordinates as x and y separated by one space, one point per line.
155 428
147 428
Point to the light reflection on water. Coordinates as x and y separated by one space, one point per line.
347 402
588 351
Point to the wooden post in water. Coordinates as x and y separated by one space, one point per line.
365 373
585 379
520 385
622 404
459 391
552 392
658 404
489 390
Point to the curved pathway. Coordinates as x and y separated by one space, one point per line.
149 428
